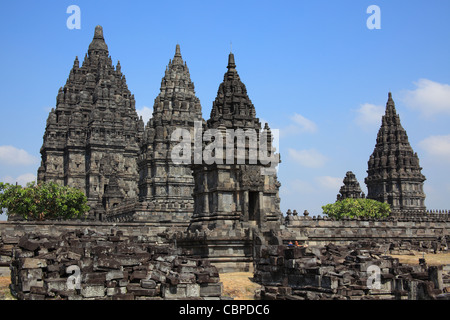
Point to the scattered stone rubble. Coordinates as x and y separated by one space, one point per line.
107 267
342 273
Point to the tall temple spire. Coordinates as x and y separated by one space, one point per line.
93 124
164 184
232 107
394 173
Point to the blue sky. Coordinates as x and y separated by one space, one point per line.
312 69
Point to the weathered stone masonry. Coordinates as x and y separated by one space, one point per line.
85 264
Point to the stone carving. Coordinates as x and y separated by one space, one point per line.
251 178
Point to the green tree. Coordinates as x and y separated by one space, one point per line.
43 201
353 208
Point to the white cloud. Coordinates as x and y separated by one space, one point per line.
296 187
438 146
429 97
10 155
308 158
301 124
22 179
145 113
369 115
306 125
328 182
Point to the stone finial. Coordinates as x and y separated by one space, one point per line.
98 33
231 64
98 43
76 63
177 51
289 212
306 213
295 212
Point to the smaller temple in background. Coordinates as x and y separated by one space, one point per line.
351 188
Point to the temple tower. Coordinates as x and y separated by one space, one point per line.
351 188
394 174
94 132
165 186
235 188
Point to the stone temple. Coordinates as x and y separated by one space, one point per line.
93 137
351 188
394 174
94 140
221 201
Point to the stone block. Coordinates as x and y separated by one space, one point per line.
27 244
178 291
192 290
137 290
187 278
125 296
138 275
127 261
114 274
93 291
158 276
73 256
31 278
202 277
93 278
107 263
56 284
33 263
148 284
211 289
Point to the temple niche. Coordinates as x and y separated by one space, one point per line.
394 174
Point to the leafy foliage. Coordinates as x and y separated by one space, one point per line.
353 208
43 201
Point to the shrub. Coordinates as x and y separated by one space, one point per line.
353 208
43 201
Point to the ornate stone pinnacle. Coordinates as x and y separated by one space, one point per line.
177 51
98 34
231 63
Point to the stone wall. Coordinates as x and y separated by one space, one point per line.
88 265
419 232
12 231
342 272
